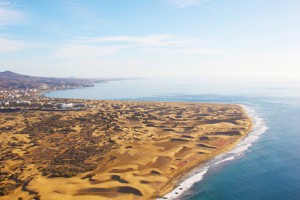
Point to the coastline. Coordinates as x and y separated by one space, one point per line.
194 174
173 187
44 93
189 168
230 177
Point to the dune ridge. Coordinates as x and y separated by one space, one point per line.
117 150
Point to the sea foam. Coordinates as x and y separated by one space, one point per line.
259 127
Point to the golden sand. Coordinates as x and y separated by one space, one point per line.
118 150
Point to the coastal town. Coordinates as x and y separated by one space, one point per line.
29 99
16 97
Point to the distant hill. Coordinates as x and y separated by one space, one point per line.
11 80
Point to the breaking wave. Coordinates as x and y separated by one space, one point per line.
259 127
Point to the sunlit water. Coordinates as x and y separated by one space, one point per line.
265 165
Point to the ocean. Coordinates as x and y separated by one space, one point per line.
265 165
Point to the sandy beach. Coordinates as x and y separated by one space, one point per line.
117 150
187 181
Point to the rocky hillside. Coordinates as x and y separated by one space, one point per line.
11 80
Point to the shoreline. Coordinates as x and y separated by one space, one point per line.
195 174
181 175
173 187
43 93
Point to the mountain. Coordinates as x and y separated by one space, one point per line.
11 80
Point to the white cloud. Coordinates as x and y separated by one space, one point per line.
11 45
77 50
9 15
151 40
105 46
185 3
198 51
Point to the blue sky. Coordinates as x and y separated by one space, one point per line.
146 38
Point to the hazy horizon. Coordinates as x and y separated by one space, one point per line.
159 38
258 82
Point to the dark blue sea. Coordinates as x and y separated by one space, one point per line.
265 165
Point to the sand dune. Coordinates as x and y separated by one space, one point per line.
118 150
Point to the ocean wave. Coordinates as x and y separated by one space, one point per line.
259 127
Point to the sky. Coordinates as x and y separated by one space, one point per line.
151 38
